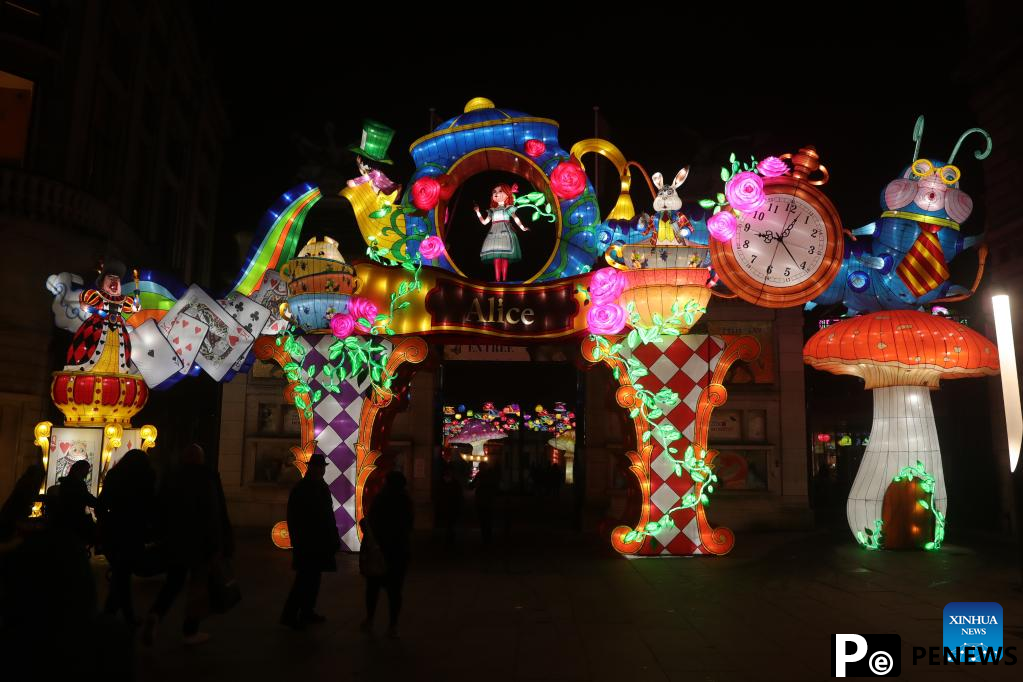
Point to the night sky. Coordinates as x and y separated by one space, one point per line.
672 90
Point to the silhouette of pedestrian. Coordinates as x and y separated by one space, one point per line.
194 532
314 543
391 518
67 503
19 503
126 507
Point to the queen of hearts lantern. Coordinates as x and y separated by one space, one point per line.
98 390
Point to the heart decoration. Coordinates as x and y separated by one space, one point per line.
233 340
176 340
64 446
151 353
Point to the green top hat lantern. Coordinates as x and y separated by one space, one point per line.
376 138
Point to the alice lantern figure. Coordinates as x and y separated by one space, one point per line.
501 244
102 343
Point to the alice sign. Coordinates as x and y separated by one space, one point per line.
532 311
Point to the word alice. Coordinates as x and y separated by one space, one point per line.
511 316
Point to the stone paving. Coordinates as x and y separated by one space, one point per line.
556 605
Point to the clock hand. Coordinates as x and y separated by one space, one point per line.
788 230
789 252
766 236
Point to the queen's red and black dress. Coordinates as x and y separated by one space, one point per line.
102 343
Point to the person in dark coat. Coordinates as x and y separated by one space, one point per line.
19 503
314 543
193 534
391 518
67 504
126 507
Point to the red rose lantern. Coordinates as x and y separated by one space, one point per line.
426 193
535 148
568 180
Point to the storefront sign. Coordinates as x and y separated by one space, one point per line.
487 352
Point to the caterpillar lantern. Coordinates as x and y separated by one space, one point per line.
901 261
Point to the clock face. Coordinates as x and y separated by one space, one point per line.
781 244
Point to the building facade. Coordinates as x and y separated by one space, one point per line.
113 143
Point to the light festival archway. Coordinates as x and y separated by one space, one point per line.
627 289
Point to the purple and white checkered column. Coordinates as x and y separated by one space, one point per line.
336 427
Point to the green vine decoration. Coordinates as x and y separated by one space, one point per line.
537 202
694 462
872 539
907 473
305 396
405 289
652 406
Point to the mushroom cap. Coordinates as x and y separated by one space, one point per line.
564 441
477 432
901 348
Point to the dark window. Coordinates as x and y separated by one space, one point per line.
15 117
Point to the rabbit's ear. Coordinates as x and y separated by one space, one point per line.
658 180
681 177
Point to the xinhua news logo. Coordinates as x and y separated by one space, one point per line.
866 655
974 628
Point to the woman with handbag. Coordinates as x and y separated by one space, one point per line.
390 522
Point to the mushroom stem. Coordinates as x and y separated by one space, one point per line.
903 433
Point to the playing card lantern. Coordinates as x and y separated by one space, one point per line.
320 284
901 355
477 434
95 399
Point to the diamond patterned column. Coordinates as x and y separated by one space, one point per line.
685 366
693 366
336 430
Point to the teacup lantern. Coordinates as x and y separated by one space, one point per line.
320 284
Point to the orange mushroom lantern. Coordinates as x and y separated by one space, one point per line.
901 355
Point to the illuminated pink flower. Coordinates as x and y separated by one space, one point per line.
745 192
342 325
568 180
722 226
535 148
431 247
425 193
772 167
359 307
607 285
605 318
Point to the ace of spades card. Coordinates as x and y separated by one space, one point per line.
186 336
152 354
225 342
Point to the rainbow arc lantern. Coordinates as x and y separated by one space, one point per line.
898 499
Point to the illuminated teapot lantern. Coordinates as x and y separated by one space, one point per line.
320 284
